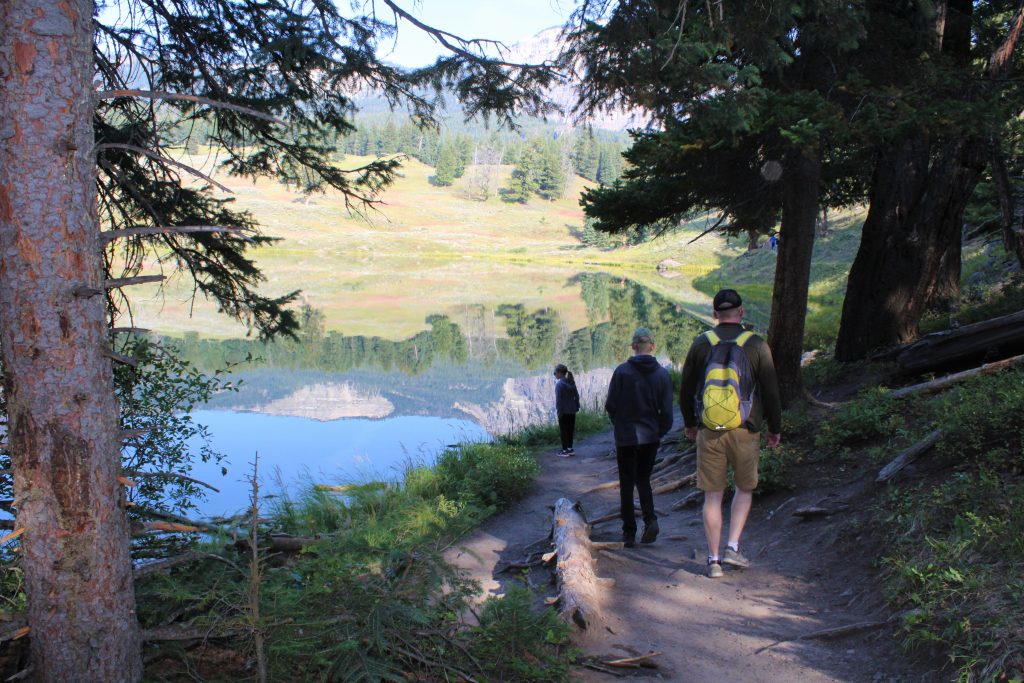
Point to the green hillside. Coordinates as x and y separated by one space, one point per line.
427 249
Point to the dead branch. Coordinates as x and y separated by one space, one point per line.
603 487
828 633
165 564
814 511
942 383
14 629
168 475
156 95
689 499
176 633
163 160
118 282
675 485
170 517
129 330
633 662
142 528
109 236
908 456
121 358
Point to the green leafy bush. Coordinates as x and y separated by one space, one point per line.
486 474
873 415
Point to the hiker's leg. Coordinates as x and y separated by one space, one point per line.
744 453
713 520
565 429
570 429
738 513
626 457
645 456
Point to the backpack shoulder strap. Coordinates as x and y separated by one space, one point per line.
744 337
712 338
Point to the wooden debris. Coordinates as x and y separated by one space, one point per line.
603 487
828 633
165 564
942 383
635 662
691 498
815 511
975 341
578 585
908 456
675 485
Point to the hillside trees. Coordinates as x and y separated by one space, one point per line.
91 185
745 98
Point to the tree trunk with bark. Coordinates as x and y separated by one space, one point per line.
802 182
63 415
912 228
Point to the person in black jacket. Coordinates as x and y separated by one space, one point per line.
640 407
567 404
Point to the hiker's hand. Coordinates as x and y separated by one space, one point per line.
773 440
691 433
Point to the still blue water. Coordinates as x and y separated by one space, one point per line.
296 450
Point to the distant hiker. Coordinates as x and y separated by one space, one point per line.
729 386
773 242
567 404
640 407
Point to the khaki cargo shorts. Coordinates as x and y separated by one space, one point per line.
739 448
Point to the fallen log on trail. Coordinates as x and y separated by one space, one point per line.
635 662
668 461
987 340
675 485
578 585
908 456
942 383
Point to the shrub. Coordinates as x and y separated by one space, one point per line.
486 474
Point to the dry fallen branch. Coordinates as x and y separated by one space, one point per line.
815 511
941 383
635 662
908 456
690 498
828 633
165 564
675 485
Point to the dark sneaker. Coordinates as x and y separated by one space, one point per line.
563 453
735 558
650 532
714 569
628 539
570 451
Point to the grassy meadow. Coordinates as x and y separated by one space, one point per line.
424 250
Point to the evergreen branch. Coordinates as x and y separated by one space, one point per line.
163 160
156 95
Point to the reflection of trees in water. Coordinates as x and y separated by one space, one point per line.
615 307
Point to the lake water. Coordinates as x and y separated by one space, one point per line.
333 408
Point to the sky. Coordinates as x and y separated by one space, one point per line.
506 20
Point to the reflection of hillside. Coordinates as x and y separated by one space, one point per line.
326 402
528 401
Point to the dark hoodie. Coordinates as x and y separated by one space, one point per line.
640 401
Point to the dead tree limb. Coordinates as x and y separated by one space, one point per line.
579 592
109 236
814 511
135 474
165 564
675 485
828 633
908 456
163 160
942 383
631 662
157 95
116 282
690 498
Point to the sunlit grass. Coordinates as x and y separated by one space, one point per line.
427 250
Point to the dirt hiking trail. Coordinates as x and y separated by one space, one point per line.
806 576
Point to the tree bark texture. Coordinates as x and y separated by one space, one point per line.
63 416
802 183
914 222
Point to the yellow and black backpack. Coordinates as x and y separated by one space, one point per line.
725 396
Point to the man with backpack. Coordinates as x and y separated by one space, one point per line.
729 387
639 404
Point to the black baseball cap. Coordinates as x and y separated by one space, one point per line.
727 299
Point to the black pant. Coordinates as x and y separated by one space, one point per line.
567 427
635 465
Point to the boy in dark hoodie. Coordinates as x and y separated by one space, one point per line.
640 407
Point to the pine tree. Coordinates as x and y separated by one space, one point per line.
524 181
445 172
